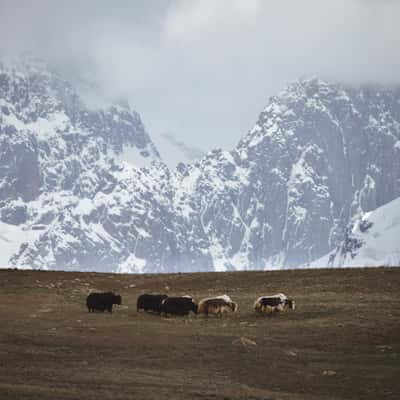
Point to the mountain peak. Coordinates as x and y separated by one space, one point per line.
84 188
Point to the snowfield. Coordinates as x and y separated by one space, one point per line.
378 235
11 238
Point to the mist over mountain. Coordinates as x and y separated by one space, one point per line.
173 151
203 70
86 189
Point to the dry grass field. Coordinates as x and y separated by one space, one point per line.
342 341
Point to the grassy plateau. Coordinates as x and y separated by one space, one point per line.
341 342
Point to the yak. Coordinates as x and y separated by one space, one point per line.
150 302
178 305
271 304
102 301
217 305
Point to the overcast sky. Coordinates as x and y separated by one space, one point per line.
203 70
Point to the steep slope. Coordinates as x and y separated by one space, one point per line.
71 176
371 240
318 154
50 139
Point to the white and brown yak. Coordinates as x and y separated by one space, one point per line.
272 304
217 305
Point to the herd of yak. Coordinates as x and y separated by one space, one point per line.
183 305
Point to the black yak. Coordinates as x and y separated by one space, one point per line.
150 302
102 301
178 305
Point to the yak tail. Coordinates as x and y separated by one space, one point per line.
234 306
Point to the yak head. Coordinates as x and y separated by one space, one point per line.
291 303
233 306
117 300
194 307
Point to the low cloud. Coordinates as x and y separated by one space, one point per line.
204 69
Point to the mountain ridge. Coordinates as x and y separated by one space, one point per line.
93 181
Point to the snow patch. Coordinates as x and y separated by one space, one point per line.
11 238
134 156
132 264
380 242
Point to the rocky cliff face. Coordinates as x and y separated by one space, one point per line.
91 186
318 155
71 172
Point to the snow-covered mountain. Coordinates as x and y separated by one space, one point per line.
372 239
85 189
318 155
70 175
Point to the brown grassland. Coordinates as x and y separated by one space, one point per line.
342 341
